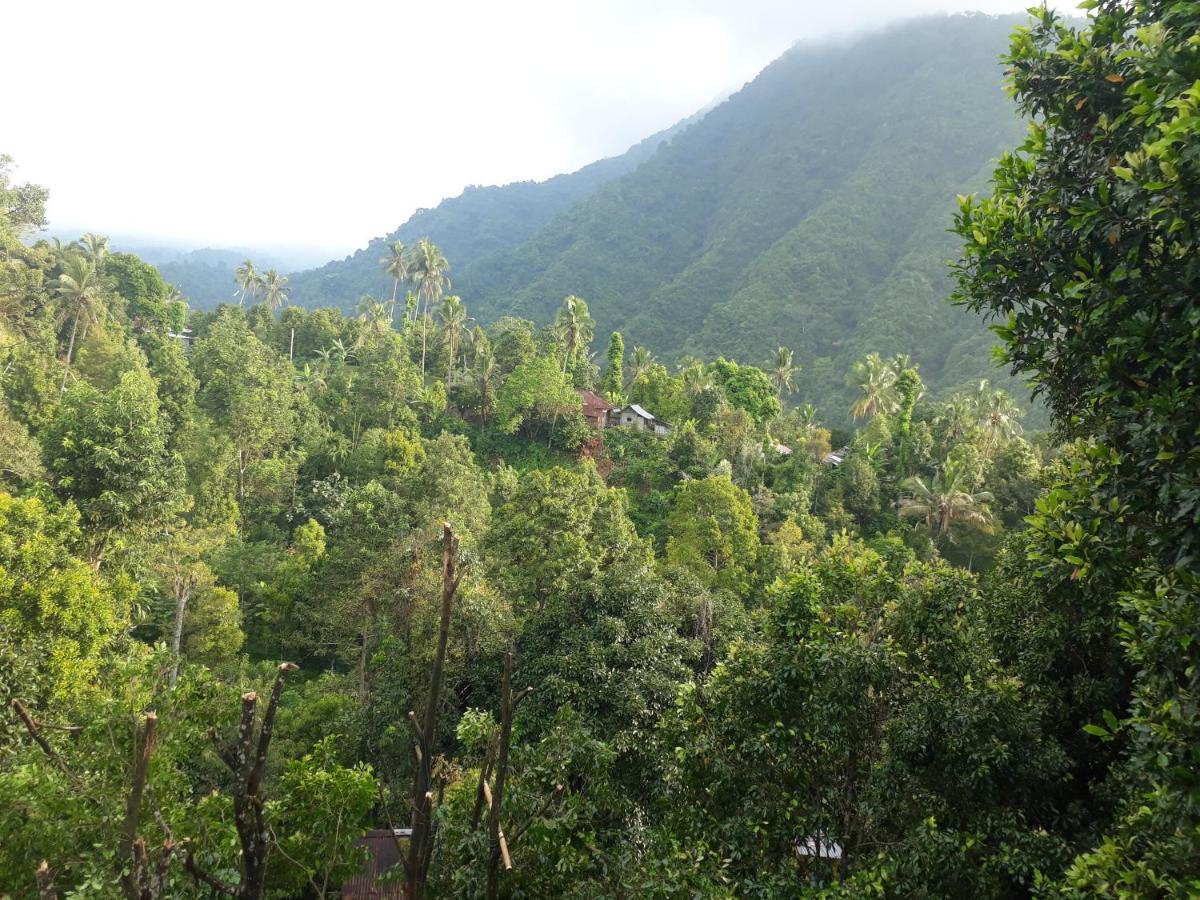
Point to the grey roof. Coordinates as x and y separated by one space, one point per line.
819 846
836 457
641 412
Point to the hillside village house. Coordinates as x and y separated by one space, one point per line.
633 416
595 409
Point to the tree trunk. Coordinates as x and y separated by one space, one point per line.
181 602
499 846
131 881
420 845
70 350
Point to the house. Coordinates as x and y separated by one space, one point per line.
595 409
185 338
836 458
781 449
633 416
383 852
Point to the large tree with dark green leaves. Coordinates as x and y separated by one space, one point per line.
247 390
108 453
714 533
560 529
1086 255
55 614
747 388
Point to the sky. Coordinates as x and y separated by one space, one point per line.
318 125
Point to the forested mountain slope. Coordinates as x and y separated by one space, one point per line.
810 209
478 222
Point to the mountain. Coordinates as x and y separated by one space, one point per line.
809 209
478 222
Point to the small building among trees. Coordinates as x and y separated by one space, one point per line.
595 409
633 416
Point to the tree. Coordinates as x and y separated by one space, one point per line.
94 248
482 377
865 701
81 289
536 394
108 453
376 315
641 361
997 414
246 389
748 388
908 391
146 297
612 386
946 501
425 731
184 575
1085 255
558 530
876 380
454 327
712 531
22 206
574 328
428 271
395 266
249 281
274 289
783 371
51 603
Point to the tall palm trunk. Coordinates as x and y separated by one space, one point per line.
70 350
424 331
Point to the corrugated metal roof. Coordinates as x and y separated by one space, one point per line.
641 412
384 854
818 846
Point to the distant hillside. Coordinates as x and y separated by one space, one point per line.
203 275
809 209
478 222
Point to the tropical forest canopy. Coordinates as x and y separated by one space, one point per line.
272 577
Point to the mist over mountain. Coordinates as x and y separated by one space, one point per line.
809 209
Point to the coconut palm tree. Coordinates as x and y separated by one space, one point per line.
945 501
94 247
783 371
696 380
81 289
454 328
478 341
274 289
876 380
996 413
641 360
483 375
428 270
395 265
248 280
376 314
957 416
574 327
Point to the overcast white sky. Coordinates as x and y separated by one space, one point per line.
324 124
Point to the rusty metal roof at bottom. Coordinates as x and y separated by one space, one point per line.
384 854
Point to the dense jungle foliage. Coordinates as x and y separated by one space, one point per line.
271 577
